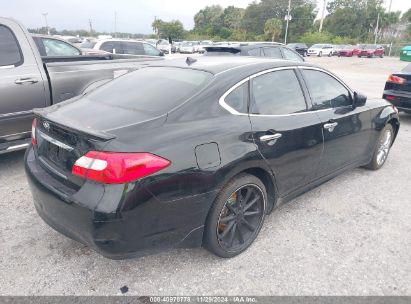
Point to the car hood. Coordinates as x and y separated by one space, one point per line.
97 118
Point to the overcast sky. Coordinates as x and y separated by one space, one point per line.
133 16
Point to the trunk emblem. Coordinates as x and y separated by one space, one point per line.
46 125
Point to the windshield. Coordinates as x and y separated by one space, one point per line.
163 42
407 69
347 47
369 47
318 46
152 90
187 44
206 43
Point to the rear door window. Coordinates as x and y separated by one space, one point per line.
258 52
133 48
272 52
277 93
114 47
10 53
54 47
151 91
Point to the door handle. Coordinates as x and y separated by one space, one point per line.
330 126
25 80
270 137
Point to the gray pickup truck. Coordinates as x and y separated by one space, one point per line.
29 81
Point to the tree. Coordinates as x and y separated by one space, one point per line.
273 27
232 17
173 29
208 20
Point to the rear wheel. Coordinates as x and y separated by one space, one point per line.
383 148
236 217
320 54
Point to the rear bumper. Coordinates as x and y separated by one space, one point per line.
401 100
95 218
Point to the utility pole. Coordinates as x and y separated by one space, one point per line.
322 16
287 18
90 22
115 24
389 7
47 24
376 28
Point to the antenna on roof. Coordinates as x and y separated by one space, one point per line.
190 60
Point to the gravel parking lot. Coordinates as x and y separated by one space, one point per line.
350 236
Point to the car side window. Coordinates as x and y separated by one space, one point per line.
133 48
114 47
150 50
256 52
277 93
55 47
237 99
290 55
273 52
10 53
325 90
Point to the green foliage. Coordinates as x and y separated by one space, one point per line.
273 27
316 37
173 29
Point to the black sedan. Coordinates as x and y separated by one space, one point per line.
271 50
398 89
300 48
197 152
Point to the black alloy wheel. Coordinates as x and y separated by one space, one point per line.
236 217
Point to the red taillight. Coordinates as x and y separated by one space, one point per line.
396 79
118 168
33 132
390 97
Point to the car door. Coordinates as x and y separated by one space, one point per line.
347 130
150 50
287 133
21 86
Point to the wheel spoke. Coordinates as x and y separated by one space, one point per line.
248 225
248 195
227 219
231 239
252 202
250 213
229 207
226 230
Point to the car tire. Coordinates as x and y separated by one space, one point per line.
330 54
320 54
359 56
240 204
382 56
382 148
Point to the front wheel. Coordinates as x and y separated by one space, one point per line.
383 148
236 217
320 54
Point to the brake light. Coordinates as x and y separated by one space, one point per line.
117 168
33 132
396 79
390 97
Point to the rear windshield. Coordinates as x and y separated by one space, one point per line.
152 90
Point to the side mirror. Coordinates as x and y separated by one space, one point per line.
359 99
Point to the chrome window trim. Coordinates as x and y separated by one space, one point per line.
223 104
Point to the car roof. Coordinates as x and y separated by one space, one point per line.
219 64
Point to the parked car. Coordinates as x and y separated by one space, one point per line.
203 45
29 80
300 48
337 48
161 165
127 47
187 47
177 45
50 46
371 50
349 51
164 46
398 89
321 50
271 50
